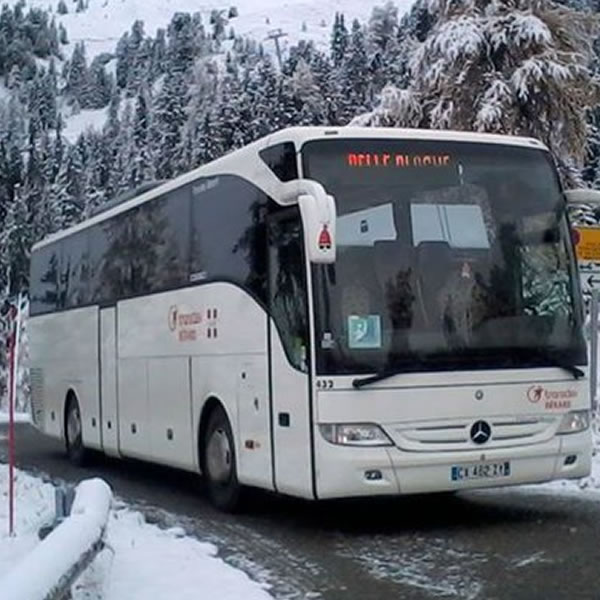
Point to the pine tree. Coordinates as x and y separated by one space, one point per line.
62 8
519 66
181 43
169 117
77 75
142 166
339 40
354 77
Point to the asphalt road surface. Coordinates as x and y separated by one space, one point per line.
515 544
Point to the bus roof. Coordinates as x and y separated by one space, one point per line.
229 164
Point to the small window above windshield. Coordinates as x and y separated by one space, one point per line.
281 159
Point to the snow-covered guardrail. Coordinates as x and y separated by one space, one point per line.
48 572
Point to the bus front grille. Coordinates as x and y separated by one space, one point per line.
456 434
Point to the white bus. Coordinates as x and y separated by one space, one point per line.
324 313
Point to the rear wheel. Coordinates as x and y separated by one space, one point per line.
76 451
219 463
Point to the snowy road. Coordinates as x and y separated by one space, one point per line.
515 544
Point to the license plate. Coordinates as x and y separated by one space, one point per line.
480 471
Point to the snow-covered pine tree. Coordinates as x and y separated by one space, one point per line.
510 66
339 40
354 77
76 75
168 120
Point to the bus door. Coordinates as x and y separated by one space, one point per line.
108 380
289 356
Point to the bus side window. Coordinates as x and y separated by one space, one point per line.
74 271
45 267
287 293
228 241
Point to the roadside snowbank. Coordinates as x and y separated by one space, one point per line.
148 562
19 418
34 507
43 572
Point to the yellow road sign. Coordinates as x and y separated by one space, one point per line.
587 243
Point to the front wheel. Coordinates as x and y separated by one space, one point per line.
219 466
76 451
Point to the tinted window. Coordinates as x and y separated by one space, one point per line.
451 255
228 233
74 271
109 258
45 264
287 287
143 250
166 226
281 159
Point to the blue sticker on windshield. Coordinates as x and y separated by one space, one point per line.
364 331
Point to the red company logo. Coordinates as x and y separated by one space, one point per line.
553 399
172 318
535 393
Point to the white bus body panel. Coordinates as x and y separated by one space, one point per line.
66 350
176 351
293 453
428 417
108 381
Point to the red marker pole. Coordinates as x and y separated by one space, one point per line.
11 422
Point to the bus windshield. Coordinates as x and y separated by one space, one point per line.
451 255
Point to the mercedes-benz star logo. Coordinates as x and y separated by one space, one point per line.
481 432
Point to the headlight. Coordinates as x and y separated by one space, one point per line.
357 434
575 421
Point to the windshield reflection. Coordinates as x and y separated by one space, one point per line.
466 267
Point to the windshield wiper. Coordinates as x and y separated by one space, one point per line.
362 381
576 372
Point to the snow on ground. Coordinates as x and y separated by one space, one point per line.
86 119
103 23
19 418
34 507
148 562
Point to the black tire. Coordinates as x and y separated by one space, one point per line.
76 451
219 465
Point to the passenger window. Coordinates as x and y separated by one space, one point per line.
74 271
229 233
45 265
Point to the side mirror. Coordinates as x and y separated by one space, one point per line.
319 220
582 196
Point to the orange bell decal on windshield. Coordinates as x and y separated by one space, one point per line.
324 239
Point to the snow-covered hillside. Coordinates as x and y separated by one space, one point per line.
104 21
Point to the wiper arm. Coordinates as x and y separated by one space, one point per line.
572 369
362 381
576 372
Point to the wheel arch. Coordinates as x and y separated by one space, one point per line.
211 404
70 395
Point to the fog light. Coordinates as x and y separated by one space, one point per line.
373 475
570 459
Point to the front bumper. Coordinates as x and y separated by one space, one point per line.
345 471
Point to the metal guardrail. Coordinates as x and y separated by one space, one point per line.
49 571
